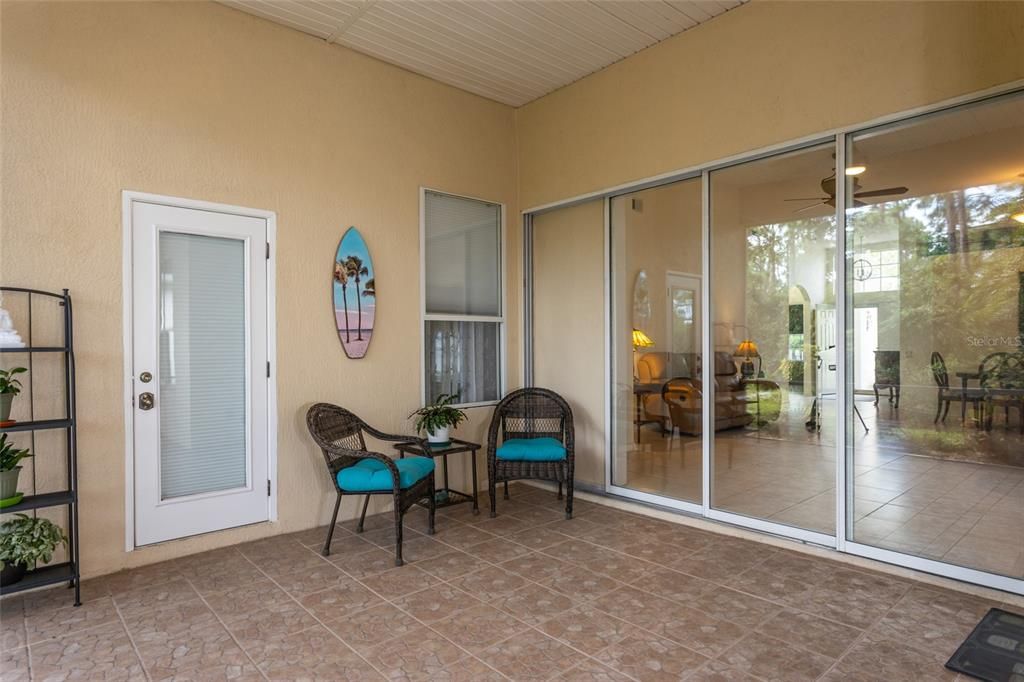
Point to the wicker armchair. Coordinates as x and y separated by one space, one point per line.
522 416
358 471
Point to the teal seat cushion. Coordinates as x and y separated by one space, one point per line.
372 474
532 450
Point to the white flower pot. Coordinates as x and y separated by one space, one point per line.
439 436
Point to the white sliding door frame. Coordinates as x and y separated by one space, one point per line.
843 335
128 198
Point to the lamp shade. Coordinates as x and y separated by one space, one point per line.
641 340
747 348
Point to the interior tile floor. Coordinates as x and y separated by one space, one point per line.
909 496
608 595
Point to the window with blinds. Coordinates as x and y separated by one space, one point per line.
203 364
463 317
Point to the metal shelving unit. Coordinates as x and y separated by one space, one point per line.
67 571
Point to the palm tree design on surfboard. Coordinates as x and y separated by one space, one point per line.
354 294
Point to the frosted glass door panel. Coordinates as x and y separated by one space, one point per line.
203 365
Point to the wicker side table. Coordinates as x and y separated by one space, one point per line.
445 496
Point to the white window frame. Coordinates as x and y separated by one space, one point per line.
501 319
128 197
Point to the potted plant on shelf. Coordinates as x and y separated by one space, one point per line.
9 387
26 542
438 418
10 458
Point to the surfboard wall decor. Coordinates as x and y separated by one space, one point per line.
354 294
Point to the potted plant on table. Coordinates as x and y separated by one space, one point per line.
9 387
438 418
26 542
10 458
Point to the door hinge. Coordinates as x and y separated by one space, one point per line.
268 369
268 250
268 487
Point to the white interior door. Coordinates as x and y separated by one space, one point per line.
683 319
825 333
865 343
199 371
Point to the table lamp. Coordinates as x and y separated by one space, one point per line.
747 350
640 340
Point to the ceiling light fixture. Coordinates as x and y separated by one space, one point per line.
855 170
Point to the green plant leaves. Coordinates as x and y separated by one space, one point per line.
29 541
10 455
7 383
439 415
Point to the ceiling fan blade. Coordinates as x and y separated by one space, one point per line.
808 208
882 192
808 199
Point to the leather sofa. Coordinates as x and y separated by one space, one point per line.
654 369
682 396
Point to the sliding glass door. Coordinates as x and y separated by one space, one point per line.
656 287
935 252
773 323
568 331
824 343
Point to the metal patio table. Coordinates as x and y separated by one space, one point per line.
445 496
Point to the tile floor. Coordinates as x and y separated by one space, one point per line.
961 512
608 595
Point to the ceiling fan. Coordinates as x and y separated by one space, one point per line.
828 186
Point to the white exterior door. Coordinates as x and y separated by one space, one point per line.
199 370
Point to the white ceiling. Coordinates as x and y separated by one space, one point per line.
512 51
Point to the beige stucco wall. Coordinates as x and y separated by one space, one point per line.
761 74
202 101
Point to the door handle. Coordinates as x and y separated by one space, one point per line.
146 401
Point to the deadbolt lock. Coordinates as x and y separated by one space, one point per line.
145 377
146 401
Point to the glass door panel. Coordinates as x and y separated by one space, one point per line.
568 341
773 321
935 225
656 328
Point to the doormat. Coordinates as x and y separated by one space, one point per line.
994 651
